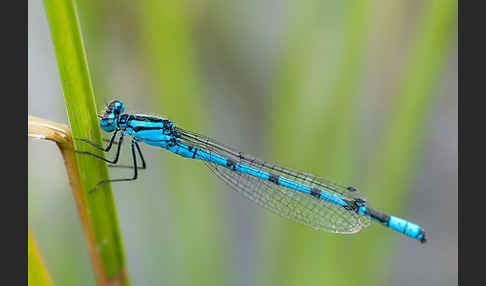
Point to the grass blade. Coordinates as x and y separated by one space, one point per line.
37 270
79 99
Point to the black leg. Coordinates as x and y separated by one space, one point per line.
108 147
141 156
135 173
131 167
101 158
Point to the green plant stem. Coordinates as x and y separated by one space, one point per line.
79 99
37 270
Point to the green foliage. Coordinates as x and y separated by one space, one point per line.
37 272
79 99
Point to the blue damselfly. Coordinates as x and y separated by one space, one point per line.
307 199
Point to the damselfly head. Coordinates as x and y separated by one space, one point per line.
112 112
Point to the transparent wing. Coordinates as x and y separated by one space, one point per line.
308 210
212 146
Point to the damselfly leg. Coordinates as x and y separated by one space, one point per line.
107 148
133 145
143 167
113 162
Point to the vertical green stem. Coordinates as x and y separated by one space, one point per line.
79 98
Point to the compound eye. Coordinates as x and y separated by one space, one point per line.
121 107
107 124
106 121
116 106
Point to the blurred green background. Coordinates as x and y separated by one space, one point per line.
361 92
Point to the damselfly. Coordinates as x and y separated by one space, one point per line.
310 200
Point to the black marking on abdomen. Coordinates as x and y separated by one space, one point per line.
231 164
315 193
350 205
381 217
273 178
195 152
